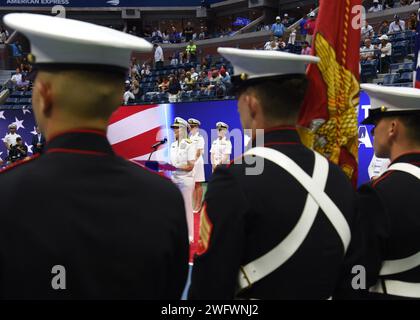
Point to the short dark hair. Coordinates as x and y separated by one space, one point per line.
281 99
18 139
412 123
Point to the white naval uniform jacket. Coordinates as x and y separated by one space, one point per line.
219 148
180 154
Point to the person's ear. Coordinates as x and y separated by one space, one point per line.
45 94
253 106
393 128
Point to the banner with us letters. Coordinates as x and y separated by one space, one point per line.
365 139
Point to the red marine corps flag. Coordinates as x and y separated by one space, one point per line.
328 119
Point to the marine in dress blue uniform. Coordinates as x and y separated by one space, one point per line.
286 231
391 203
97 215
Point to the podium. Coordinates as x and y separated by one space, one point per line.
156 166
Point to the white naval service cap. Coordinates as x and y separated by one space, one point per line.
391 101
252 66
70 44
222 125
179 123
194 122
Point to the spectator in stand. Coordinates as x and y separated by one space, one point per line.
17 77
194 75
203 81
136 90
215 81
188 32
273 46
4 34
292 37
310 27
182 83
306 50
202 35
174 60
281 45
278 28
389 4
174 89
286 21
23 84
145 72
191 52
386 51
376 7
367 53
189 81
165 36
156 35
128 96
225 79
366 31
267 45
38 141
174 37
412 22
397 25
163 85
19 151
384 28
133 31
158 56
302 29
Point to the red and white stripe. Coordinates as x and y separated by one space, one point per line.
133 130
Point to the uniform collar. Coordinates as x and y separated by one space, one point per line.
409 157
282 135
81 141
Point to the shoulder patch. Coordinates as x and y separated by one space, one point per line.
19 163
206 229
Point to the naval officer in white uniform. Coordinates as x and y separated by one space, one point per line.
199 176
221 148
182 156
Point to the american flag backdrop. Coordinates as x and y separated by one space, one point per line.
25 125
133 130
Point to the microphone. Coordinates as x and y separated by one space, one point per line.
159 143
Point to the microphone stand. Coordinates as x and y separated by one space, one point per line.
153 151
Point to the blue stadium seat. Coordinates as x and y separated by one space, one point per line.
25 101
390 79
16 94
407 67
399 50
406 77
12 101
398 37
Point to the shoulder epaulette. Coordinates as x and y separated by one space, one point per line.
19 163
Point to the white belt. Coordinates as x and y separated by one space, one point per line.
266 264
401 265
397 288
390 267
407 168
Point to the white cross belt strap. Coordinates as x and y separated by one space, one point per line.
391 267
266 264
407 168
398 288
